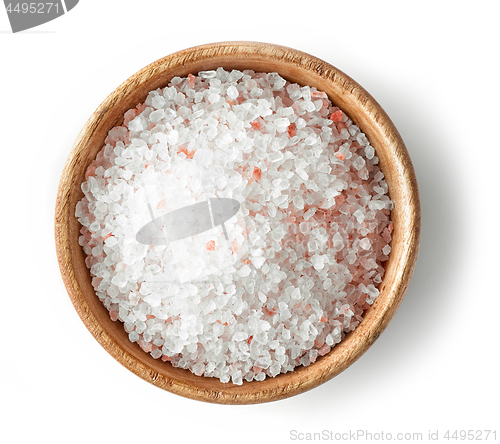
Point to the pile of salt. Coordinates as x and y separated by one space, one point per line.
288 275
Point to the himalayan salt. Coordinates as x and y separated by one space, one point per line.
236 224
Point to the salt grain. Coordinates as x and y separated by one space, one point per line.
365 244
309 213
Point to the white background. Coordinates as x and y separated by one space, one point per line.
432 65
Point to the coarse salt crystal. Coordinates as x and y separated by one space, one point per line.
298 202
232 92
136 124
310 213
275 156
365 244
369 152
359 215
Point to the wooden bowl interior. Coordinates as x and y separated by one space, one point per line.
295 67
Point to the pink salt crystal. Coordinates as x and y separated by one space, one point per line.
318 94
146 346
199 369
257 173
386 235
90 171
336 116
324 350
129 116
313 355
117 134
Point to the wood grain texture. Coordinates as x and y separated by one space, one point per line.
297 67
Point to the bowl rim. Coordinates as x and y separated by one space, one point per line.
355 343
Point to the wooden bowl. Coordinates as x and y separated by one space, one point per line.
294 66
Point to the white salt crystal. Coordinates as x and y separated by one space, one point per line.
157 115
80 209
260 376
240 336
213 98
363 173
365 244
275 156
282 122
376 205
237 378
362 140
310 213
296 294
353 130
327 283
94 226
324 168
300 163
318 261
218 329
158 102
207 74
173 137
258 261
136 124
369 152
264 325
372 291
244 271
119 280
198 369
359 215
156 353
133 336
232 92
298 202
358 163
